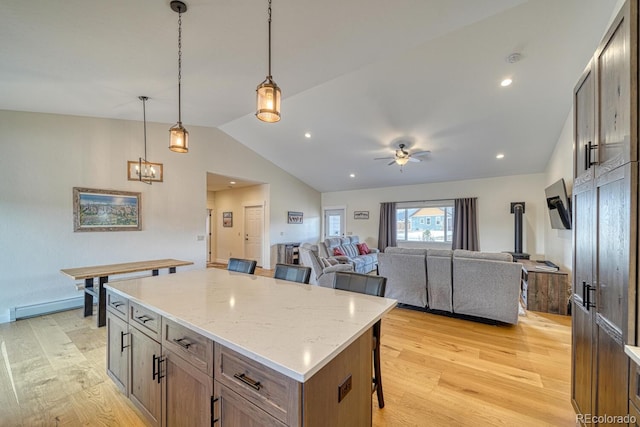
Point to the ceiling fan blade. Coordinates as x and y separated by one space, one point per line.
391 163
420 153
383 158
413 159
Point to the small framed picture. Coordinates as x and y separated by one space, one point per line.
294 217
361 215
227 219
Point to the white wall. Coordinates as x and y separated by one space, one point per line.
44 156
558 243
495 222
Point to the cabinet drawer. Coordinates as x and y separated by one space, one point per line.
271 391
190 345
117 304
145 320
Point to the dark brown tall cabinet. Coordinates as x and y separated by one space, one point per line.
605 221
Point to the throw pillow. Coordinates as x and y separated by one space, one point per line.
363 249
337 252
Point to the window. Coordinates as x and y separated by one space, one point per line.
436 215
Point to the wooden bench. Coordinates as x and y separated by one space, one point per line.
102 272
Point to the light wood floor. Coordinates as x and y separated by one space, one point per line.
437 371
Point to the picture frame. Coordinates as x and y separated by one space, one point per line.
134 168
227 219
361 215
106 210
294 217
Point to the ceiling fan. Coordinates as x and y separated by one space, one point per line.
402 156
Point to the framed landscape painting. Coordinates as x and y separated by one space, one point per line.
106 210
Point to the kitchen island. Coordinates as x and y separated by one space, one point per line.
212 346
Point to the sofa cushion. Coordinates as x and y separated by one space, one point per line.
349 250
363 249
406 277
406 251
439 289
490 256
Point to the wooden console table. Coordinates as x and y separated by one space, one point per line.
546 291
102 272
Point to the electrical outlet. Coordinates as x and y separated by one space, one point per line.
344 388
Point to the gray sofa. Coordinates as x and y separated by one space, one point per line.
348 245
479 284
321 274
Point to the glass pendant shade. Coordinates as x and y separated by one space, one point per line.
268 101
402 160
179 139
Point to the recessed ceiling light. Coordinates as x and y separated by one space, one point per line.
500 156
506 82
352 175
307 135
232 182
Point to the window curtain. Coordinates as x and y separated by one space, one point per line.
387 232
465 224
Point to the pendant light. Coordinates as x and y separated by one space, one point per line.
179 137
268 92
143 170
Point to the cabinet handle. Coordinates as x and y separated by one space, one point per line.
248 381
182 342
117 304
122 346
584 294
144 318
587 156
156 373
590 147
213 419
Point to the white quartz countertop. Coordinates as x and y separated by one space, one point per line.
293 328
633 352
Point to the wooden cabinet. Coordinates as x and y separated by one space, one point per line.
605 209
147 373
188 394
288 253
547 291
164 368
118 351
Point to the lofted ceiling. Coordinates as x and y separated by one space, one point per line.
358 75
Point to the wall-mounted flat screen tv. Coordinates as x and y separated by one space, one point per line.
559 205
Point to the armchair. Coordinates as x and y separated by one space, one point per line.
321 274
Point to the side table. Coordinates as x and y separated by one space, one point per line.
545 291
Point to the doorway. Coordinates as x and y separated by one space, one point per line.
253 230
334 222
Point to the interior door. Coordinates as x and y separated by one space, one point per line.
334 223
253 231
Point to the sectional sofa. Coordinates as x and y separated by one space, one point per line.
350 248
479 284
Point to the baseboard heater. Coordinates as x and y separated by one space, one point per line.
34 310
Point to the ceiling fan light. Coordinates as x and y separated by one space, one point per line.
268 101
179 139
402 160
